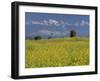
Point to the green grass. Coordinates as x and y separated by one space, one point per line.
57 52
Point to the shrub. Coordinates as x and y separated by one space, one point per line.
37 37
49 37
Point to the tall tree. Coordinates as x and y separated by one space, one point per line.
72 33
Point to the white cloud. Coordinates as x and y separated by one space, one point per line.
57 33
51 33
54 22
57 23
76 24
45 22
84 23
37 22
48 22
44 32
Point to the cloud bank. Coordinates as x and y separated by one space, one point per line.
51 33
48 33
56 23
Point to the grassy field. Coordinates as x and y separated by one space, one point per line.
57 52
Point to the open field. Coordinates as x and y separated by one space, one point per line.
57 52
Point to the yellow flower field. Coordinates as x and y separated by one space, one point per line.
57 52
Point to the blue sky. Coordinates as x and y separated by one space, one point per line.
55 25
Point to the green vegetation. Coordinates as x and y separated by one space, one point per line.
37 38
57 52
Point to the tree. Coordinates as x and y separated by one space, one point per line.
72 33
37 37
49 37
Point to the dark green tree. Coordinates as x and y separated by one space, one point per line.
37 38
72 33
49 37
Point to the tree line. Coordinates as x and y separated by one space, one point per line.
72 34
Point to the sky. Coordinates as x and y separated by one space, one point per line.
55 25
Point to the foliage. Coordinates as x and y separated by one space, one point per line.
37 37
72 33
49 37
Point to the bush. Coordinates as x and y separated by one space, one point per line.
37 37
49 37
